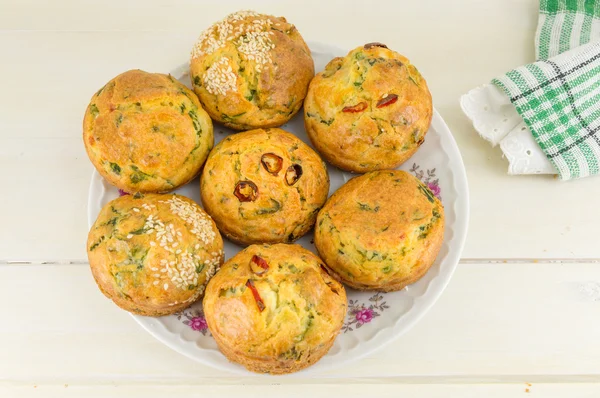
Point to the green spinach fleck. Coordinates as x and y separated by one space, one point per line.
427 192
138 175
275 207
251 96
195 122
115 168
97 243
366 207
94 110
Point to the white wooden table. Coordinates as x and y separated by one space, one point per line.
522 313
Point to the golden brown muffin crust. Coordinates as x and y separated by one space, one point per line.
382 230
146 132
251 70
274 309
369 110
153 254
264 186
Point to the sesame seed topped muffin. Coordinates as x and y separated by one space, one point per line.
146 132
380 231
274 309
251 70
369 110
153 254
264 186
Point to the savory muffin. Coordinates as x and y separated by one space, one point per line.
153 254
369 110
263 186
146 132
251 70
274 309
380 231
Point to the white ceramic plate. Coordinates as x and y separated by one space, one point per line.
374 319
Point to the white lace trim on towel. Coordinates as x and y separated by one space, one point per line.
497 121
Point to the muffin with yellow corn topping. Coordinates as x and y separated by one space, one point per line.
251 70
153 254
369 110
146 132
263 186
274 309
381 231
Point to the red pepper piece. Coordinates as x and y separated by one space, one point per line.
361 106
258 265
293 174
246 191
259 302
375 44
272 163
387 100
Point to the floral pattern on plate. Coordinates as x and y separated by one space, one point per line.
428 178
361 313
195 319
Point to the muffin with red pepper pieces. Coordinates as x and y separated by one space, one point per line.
369 110
380 231
263 186
153 254
146 132
251 70
274 309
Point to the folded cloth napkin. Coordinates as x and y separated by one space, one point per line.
546 115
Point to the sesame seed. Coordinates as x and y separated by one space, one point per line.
181 267
136 209
129 236
249 31
219 78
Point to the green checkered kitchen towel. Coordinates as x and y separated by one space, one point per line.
558 96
